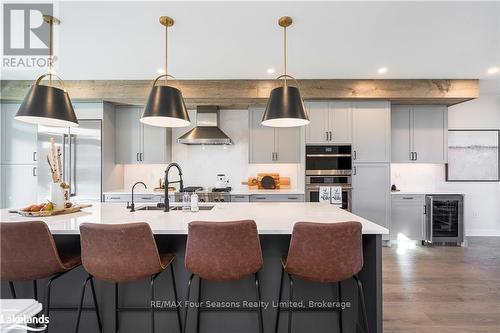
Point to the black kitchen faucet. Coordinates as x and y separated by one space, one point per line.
167 183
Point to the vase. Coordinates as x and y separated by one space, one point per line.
57 196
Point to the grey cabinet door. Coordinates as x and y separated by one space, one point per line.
128 135
277 198
262 139
407 216
340 122
18 139
430 132
19 183
371 192
318 127
371 133
401 132
287 145
156 145
240 198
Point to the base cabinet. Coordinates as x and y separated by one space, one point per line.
408 216
18 185
371 192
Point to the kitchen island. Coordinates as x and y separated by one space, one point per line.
274 222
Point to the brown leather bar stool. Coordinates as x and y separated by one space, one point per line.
120 253
325 253
223 251
28 253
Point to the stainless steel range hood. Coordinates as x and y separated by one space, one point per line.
207 131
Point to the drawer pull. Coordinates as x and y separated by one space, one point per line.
114 198
408 198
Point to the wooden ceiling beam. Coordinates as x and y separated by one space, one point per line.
241 93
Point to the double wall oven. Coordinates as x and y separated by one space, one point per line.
329 166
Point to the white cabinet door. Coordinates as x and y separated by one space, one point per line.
318 127
430 132
371 192
128 135
407 216
401 133
371 133
19 185
156 145
18 138
340 122
262 139
287 145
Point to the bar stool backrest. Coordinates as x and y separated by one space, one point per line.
28 251
325 252
223 251
119 252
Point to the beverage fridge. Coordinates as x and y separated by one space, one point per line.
80 158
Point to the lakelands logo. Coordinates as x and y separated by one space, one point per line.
23 323
25 35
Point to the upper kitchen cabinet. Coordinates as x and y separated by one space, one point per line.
272 145
138 143
18 139
419 133
371 132
330 122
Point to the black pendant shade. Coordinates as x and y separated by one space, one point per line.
285 108
47 105
165 108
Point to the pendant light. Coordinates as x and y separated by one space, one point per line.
285 107
165 106
45 104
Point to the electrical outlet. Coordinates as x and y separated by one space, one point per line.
475 215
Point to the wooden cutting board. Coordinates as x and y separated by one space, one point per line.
72 209
254 183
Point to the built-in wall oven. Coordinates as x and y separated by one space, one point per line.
329 166
444 215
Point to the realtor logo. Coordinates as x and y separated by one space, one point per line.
24 32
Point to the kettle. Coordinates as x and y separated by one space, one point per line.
222 181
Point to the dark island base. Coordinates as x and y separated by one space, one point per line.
65 292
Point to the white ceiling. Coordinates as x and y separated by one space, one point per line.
229 40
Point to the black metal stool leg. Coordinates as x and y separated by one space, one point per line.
152 311
80 305
96 307
35 290
187 302
198 308
276 326
361 296
117 321
12 290
259 298
339 293
290 298
176 298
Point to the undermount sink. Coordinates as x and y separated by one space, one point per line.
173 208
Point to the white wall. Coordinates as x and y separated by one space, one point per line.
482 200
200 165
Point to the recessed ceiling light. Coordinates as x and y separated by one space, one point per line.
493 70
160 71
382 70
270 71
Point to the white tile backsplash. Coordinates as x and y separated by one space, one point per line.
201 164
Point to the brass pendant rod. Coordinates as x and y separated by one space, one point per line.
51 50
166 52
284 53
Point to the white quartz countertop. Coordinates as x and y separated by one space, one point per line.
234 191
271 217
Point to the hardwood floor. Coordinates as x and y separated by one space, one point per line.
443 289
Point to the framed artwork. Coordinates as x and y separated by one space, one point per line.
473 156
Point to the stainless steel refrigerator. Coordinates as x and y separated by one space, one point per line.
80 158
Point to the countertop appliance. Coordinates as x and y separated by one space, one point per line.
329 166
444 218
81 159
222 181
